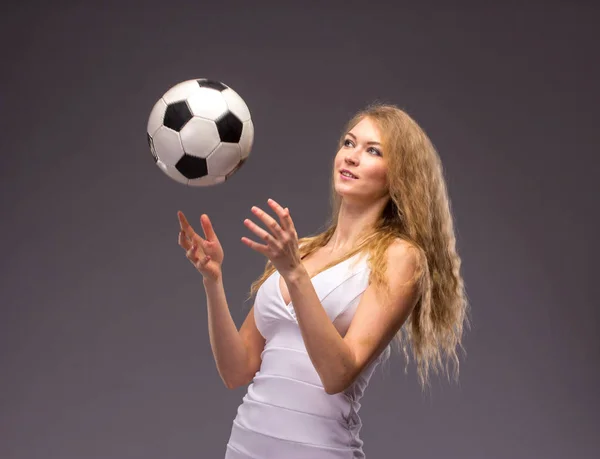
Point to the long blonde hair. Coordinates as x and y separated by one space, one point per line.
419 213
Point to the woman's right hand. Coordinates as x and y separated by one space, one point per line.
205 254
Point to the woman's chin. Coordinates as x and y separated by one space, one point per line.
349 195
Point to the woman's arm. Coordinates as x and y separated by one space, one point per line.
237 354
338 360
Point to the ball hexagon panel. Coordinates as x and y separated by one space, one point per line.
236 104
199 137
167 145
157 114
207 180
212 84
180 91
207 103
224 159
230 128
172 172
177 115
192 167
247 139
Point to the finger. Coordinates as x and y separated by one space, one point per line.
261 233
269 221
184 224
283 214
201 263
187 242
255 245
208 229
182 220
188 230
184 241
191 252
194 253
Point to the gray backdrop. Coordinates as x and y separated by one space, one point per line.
103 339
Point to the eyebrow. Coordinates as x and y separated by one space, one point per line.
368 143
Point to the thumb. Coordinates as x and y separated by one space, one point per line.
207 227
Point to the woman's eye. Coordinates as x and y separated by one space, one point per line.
347 142
375 150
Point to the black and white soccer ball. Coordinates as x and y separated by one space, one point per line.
200 132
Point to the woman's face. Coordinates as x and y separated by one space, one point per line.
362 155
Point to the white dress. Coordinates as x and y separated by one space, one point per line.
286 413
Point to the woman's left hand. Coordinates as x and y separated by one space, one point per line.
281 243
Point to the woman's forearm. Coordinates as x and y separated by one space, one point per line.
327 350
229 351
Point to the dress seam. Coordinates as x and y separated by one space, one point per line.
229 445
287 378
332 448
297 411
268 348
341 284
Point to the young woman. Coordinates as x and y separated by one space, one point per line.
329 307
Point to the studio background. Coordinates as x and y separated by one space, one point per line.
104 349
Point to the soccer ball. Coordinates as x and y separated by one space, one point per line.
200 132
